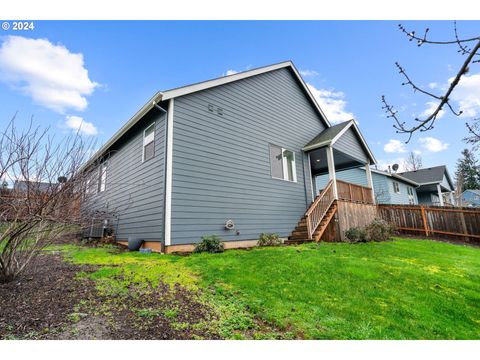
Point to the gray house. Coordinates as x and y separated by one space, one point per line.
234 156
435 185
389 188
471 198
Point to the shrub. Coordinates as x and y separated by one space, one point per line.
210 244
356 234
267 239
379 230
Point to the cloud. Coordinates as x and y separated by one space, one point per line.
332 103
230 72
384 164
394 146
433 145
50 74
308 73
77 123
467 95
431 106
433 85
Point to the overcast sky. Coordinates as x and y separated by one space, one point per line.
95 75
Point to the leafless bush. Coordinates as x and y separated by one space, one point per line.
43 200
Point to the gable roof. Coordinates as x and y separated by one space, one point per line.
475 191
395 176
429 175
329 136
189 89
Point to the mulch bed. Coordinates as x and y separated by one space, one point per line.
41 302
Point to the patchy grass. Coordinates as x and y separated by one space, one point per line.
401 289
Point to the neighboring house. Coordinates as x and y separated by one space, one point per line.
389 188
471 198
435 185
32 186
245 147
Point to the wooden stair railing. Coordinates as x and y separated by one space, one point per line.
319 208
352 192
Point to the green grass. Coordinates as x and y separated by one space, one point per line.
401 289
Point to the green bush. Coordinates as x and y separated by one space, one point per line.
356 234
267 239
379 230
210 244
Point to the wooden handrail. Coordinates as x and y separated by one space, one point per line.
354 192
319 208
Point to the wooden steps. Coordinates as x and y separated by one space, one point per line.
300 234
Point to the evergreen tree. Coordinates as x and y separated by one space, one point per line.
468 171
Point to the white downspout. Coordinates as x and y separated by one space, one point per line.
168 175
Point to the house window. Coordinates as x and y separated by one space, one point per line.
411 199
282 164
102 183
149 142
410 191
396 188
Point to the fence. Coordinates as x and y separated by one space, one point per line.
458 222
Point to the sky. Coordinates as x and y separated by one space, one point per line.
96 74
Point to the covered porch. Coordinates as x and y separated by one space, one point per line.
340 147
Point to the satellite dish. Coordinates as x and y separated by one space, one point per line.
395 167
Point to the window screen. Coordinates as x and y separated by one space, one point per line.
276 162
149 142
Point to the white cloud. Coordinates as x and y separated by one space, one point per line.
230 72
433 85
433 145
332 103
467 95
77 123
308 73
394 146
384 164
52 75
431 106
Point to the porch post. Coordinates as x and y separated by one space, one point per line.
369 180
439 190
331 171
452 200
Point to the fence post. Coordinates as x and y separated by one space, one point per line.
425 226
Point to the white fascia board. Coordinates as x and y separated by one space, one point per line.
357 130
316 146
396 176
185 90
127 126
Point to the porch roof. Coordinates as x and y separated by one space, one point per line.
332 135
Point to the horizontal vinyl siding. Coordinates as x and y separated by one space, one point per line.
350 144
402 197
354 176
221 164
134 189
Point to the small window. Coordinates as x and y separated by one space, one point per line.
102 178
282 164
149 143
396 187
410 191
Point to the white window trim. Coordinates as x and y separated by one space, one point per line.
144 140
103 178
398 187
284 165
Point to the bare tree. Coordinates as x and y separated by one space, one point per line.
44 202
468 47
413 162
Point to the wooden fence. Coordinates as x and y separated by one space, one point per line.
433 221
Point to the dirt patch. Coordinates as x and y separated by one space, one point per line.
38 303
50 301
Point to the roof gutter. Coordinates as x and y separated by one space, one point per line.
130 123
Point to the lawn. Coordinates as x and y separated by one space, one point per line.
401 289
